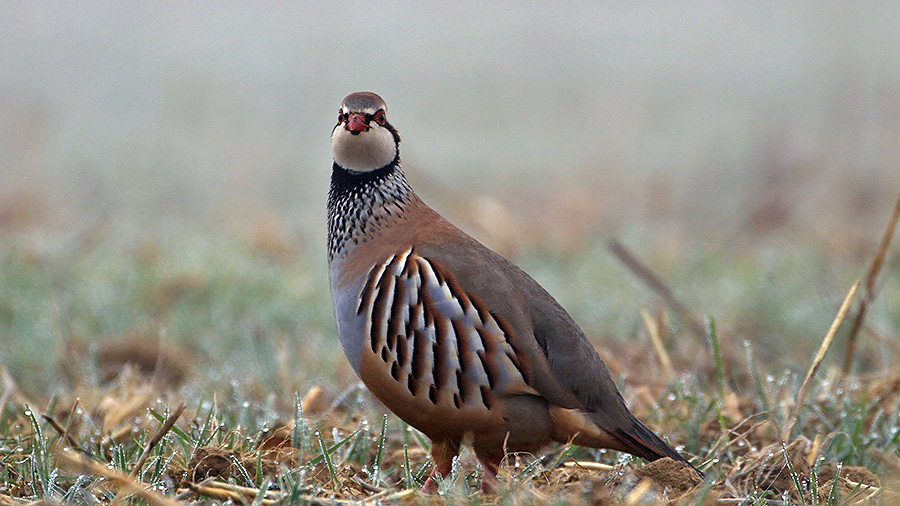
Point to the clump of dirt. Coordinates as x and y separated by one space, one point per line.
278 436
575 485
666 473
169 364
768 468
885 389
782 469
665 477
852 473
854 482
317 403
210 462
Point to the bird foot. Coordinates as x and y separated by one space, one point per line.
440 471
430 486
489 479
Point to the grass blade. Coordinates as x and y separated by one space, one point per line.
407 471
713 338
326 454
380 453
790 465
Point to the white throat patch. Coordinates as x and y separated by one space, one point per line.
364 151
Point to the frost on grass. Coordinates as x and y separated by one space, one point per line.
338 451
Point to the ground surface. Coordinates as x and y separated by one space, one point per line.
111 328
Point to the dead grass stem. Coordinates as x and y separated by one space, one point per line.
86 465
817 361
870 291
658 286
653 328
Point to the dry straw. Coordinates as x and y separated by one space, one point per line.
653 328
869 292
817 361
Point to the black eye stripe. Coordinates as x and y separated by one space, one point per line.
378 116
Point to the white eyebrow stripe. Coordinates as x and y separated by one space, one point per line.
367 110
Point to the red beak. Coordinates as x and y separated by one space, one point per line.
357 123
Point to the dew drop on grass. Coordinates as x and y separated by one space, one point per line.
671 397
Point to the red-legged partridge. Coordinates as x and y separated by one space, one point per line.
450 336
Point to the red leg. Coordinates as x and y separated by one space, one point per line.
442 454
490 465
431 484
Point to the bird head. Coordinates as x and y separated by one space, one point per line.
363 140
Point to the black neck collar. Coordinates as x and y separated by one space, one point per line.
344 181
358 203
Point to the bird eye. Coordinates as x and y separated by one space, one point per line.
341 116
380 118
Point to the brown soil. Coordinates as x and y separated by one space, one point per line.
768 469
169 365
666 478
667 474
855 482
209 462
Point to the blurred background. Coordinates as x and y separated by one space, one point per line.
164 166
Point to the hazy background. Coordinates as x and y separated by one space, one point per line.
223 109
164 165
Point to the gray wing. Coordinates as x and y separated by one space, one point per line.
559 361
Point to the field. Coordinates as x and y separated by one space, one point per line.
235 329
700 186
